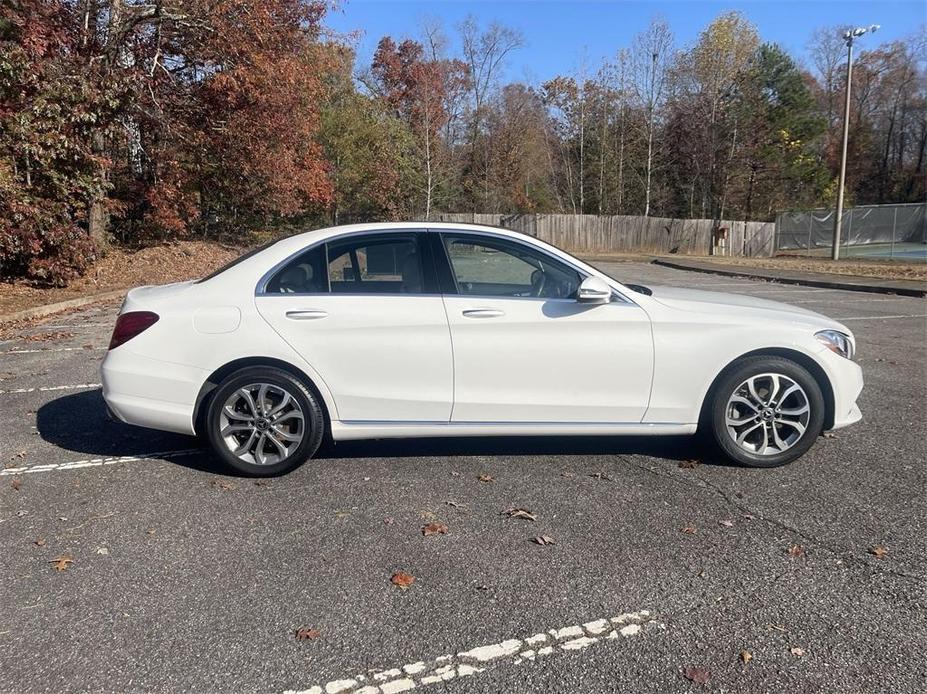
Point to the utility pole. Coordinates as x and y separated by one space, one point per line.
849 36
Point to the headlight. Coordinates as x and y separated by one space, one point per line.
837 342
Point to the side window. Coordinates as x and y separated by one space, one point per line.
305 274
375 265
490 267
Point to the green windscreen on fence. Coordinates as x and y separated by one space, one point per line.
875 231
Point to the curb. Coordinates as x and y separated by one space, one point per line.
823 284
49 309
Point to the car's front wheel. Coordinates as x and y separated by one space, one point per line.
766 411
263 421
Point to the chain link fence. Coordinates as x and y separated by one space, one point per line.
895 232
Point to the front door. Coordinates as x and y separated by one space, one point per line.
526 351
362 311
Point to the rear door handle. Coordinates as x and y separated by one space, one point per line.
307 314
483 313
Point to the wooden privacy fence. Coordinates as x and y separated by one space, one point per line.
601 235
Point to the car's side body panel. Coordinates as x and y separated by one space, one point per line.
549 360
385 357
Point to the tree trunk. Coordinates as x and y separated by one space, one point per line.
97 216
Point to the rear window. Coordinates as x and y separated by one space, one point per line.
239 259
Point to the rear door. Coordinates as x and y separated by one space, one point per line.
525 350
363 310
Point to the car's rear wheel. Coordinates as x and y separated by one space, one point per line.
264 421
766 412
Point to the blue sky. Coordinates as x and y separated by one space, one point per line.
558 33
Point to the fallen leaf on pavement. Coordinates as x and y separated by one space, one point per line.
796 651
796 551
307 634
544 540
224 486
486 478
689 464
402 579
829 435
726 523
16 484
519 513
103 550
40 542
746 657
699 675
600 476
688 530
434 529
62 563
879 551
454 504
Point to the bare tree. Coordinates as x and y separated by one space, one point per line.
652 52
484 53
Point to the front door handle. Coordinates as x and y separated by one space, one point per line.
307 314
483 313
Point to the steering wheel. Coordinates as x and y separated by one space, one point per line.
538 283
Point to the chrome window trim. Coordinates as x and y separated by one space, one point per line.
503 237
261 287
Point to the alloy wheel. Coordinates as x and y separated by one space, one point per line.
767 414
262 423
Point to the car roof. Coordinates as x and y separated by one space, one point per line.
301 239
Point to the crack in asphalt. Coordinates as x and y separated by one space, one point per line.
809 539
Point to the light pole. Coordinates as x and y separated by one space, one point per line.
849 36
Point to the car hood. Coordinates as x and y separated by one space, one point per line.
721 303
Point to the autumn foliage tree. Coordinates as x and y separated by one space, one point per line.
48 171
155 119
418 88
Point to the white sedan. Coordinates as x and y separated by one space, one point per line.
423 329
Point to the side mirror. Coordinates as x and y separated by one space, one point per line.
594 290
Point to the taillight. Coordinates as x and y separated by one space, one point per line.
130 324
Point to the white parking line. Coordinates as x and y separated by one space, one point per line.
911 315
848 299
476 660
97 462
52 349
45 389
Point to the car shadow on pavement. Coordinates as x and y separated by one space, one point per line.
78 422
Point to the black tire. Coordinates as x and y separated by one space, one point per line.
313 419
739 373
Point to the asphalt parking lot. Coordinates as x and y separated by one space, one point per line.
186 578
